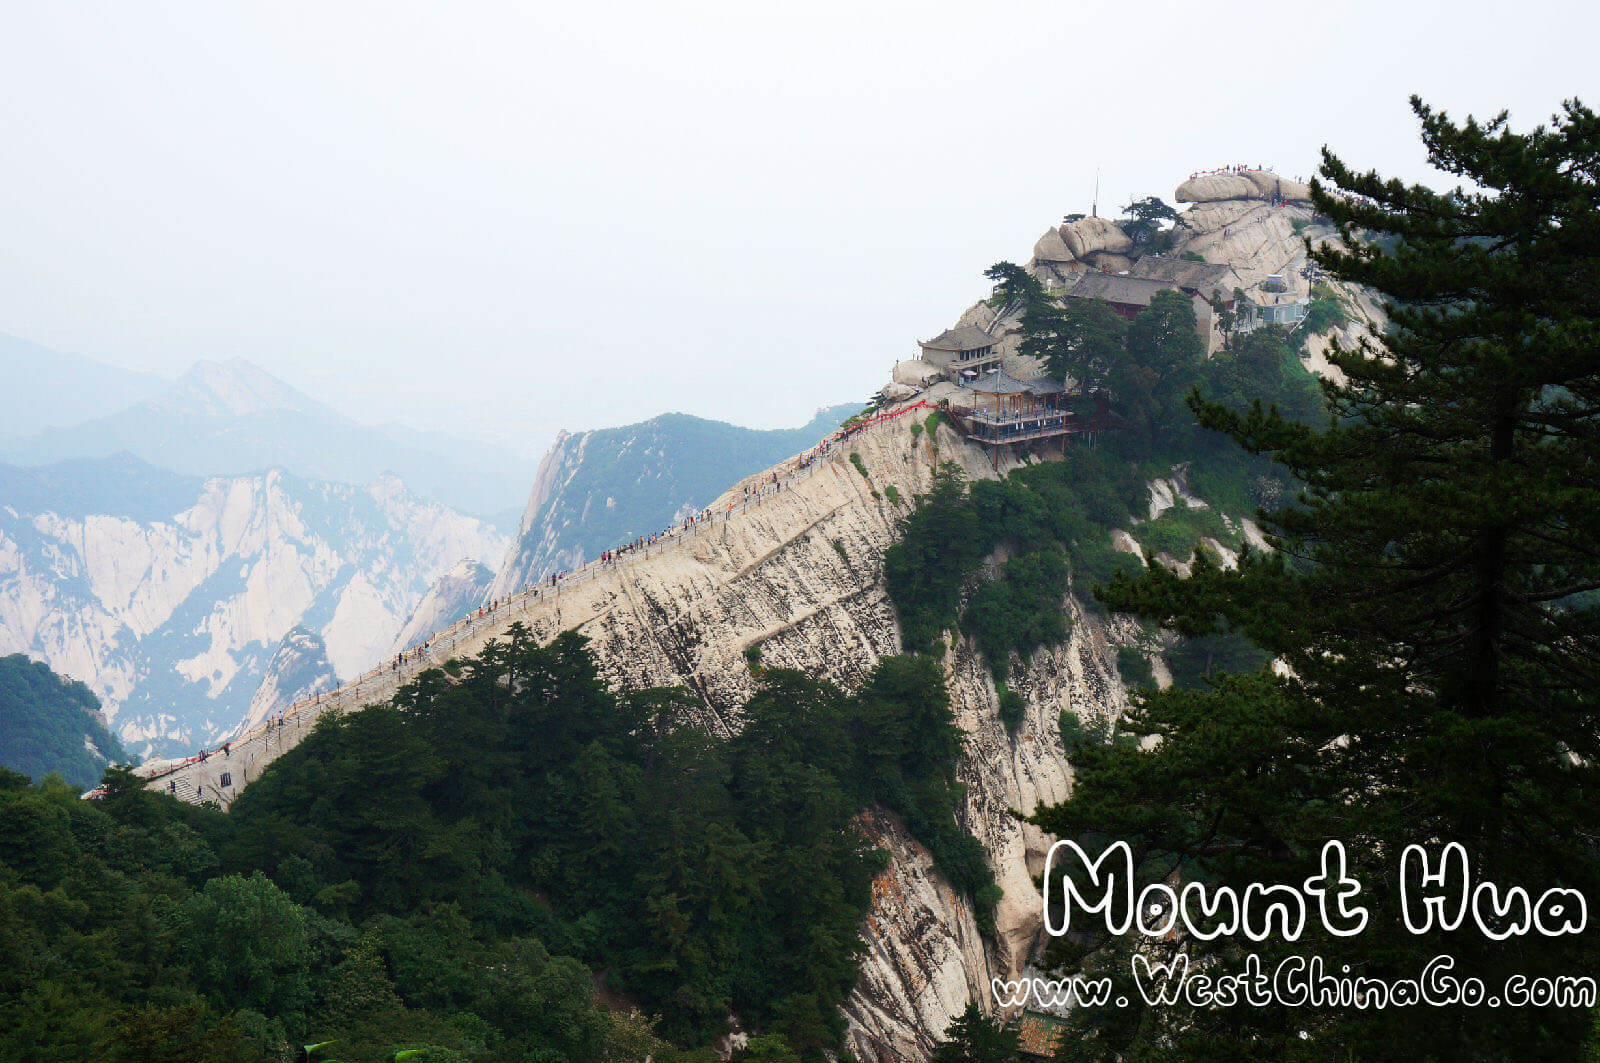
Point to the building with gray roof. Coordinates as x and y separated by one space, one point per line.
1129 295
964 350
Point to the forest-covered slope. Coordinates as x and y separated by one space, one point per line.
50 724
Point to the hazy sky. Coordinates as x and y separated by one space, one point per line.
513 217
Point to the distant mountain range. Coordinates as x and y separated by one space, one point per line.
195 552
170 594
49 389
231 418
595 490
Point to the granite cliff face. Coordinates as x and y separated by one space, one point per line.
800 574
299 668
451 597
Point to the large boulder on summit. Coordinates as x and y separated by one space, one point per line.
1051 248
1110 263
1245 184
915 373
1215 188
1088 235
1267 182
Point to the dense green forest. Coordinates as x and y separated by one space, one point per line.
48 723
508 863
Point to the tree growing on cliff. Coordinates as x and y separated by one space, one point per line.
1082 343
1016 287
1147 221
1226 318
51 724
1161 364
1433 596
1263 365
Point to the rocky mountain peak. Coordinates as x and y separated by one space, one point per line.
233 388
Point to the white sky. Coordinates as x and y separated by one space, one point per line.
505 218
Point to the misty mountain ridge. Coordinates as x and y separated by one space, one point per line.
234 388
231 418
163 552
50 389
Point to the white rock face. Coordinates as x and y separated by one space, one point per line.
1167 492
448 600
1255 238
172 620
1244 184
915 373
537 545
918 970
299 669
1088 235
604 487
1052 248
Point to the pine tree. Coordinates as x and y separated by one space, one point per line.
1162 364
1016 289
359 989
1081 343
975 1038
1143 220
1432 595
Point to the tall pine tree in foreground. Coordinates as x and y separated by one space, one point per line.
1433 595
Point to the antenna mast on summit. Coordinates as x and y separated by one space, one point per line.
1094 206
